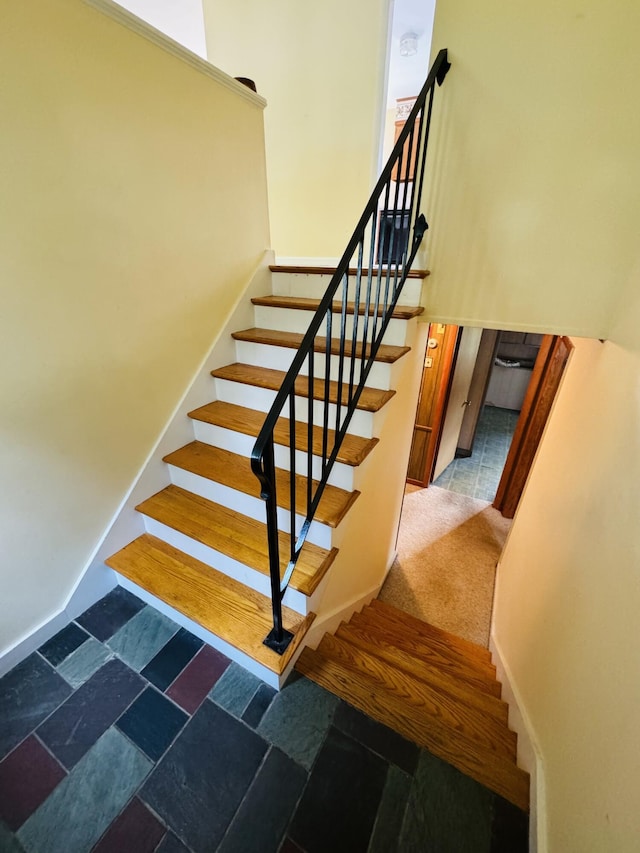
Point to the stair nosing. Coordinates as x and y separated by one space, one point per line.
281 434
199 571
272 380
305 303
325 270
262 336
484 702
314 666
480 678
474 651
283 493
505 738
304 582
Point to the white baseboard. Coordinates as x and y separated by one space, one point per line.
331 621
306 262
91 587
529 756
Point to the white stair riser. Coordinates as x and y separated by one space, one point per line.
296 320
212 639
280 358
315 286
342 475
225 564
362 423
254 507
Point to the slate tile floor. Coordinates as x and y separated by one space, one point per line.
125 733
479 474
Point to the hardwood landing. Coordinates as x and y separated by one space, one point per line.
434 689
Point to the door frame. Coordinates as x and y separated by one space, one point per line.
541 392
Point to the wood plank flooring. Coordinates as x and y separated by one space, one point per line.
431 688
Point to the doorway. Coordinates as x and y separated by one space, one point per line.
451 536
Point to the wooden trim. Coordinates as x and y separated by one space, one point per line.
451 345
137 25
538 401
331 270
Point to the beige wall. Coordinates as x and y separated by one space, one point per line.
534 207
133 209
534 223
321 68
567 604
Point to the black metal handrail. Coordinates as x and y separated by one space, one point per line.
390 216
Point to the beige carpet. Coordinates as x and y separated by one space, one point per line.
448 548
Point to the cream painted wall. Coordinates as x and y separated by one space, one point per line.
133 210
534 207
534 214
567 604
321 69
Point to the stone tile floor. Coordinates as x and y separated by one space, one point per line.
125 733
478 475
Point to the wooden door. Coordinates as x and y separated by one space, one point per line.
543 386
458 397
434 390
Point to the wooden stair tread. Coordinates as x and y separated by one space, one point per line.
371 399
353 451
496 773
234 471
331 270
234 612
304 303
443 710
433 654
414 666
431 632
386 353
238 536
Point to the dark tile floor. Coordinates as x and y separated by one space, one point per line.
125 733
479 474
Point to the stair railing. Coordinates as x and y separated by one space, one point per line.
362 299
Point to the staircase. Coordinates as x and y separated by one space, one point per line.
204 552
435 689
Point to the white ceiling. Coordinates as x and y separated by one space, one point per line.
408 73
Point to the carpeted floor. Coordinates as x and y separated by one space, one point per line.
448 548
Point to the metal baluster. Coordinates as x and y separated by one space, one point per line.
327 376
292 470
343 336
368 296
310 431
377 315
356 318
279 638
